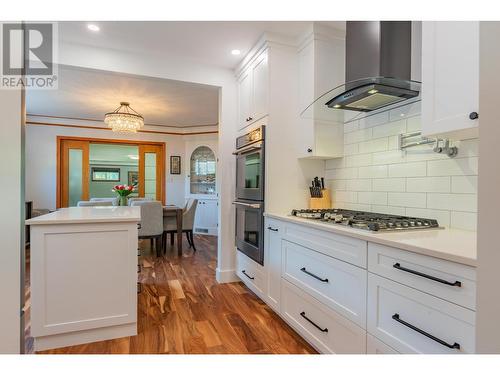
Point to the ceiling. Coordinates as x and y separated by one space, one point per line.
89 94
207 42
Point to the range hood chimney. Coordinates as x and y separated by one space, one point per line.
378 69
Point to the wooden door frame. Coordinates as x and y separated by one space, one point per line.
61 138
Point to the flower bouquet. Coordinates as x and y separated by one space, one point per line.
123 192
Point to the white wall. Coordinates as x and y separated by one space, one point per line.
488 254
11 144
172 67
41 160
374 175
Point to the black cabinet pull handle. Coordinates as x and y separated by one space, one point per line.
303 314
398 266
139 226
273 229
309 150
247 275
444 343
303 269
473 115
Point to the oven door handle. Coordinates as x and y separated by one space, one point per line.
246 149
251 205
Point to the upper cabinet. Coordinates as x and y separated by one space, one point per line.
321 60
253 90
450 79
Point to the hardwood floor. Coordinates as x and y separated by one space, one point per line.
182 309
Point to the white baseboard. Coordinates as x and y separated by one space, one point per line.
226 276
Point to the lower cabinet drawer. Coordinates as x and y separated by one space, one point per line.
339 285
411 321
375 346
250 273
325 329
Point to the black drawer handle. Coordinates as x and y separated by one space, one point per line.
303 314
444 343
398 266
303 269
273 229
139 226
247 275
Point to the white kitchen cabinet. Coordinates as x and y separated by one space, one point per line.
450 79
375 346
206 219
252 274
272 261
321 68
253 91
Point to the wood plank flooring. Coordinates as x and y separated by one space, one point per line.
182 310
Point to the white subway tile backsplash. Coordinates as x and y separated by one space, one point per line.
391 128
453 167
407 199
359 185
464 220
443 217
374 145
376 171
374 175
372 198
452 202
346 196
464 184
358 160
358 136
417 169
389 184
428 184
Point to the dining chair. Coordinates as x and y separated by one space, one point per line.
188 216
94 203
151 222
139 199
114 201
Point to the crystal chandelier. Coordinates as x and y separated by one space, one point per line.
124 119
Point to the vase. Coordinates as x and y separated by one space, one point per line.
123 201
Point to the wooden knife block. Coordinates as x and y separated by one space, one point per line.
323 202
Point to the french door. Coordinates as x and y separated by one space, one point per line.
75 165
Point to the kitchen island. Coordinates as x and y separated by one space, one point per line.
83 275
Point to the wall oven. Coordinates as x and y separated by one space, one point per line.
249 203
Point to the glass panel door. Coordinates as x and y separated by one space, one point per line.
151 172
74 172
202 174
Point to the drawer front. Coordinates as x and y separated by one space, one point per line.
414 322
250 273
345 248
337 284
447 280
326 330
375 346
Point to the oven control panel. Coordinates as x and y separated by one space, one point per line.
255 135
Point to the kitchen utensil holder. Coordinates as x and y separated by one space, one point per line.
323 202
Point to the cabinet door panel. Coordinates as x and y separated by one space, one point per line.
272 253
260 91
450 76
245 98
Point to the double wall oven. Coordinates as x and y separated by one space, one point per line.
249 200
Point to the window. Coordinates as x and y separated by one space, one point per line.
203 165
105 174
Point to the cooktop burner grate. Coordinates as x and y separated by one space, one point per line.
367 220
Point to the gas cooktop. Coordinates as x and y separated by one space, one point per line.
367 220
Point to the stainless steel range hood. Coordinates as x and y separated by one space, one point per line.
377 76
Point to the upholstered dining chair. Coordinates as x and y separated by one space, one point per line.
151 222
114 201
188 216
94 203
137 199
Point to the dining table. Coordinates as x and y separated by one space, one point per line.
173 210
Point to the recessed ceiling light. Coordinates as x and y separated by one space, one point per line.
93 27
235 52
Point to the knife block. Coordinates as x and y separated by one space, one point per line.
323 202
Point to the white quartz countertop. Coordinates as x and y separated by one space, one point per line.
83 215
449 244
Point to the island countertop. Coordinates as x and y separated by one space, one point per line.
449 244
84 215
